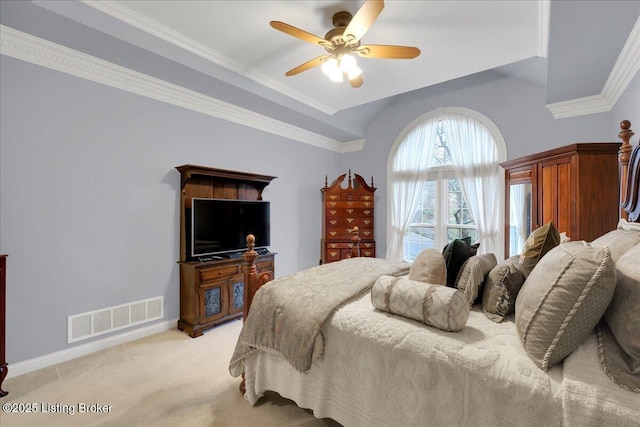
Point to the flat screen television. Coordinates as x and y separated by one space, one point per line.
221 226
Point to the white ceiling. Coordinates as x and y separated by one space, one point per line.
456 38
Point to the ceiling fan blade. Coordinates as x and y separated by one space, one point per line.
363 19
356 81
307 65
387 51
298 33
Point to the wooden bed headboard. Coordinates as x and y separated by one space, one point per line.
629 159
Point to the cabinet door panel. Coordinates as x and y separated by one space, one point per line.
557 194
549 194
236 294
566 200
213 301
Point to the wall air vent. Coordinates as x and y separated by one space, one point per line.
94 323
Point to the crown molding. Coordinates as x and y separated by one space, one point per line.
623 71
351 146
162 32
544 16
35 50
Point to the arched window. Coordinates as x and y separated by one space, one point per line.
445 183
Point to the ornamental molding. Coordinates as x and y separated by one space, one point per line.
623 71
122 13
28 48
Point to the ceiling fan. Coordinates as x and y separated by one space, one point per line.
343 41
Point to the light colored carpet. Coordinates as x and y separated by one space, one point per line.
168 379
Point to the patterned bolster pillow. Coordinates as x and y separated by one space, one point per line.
435 305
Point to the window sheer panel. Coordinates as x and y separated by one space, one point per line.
517 220
475 156
408 170
422 231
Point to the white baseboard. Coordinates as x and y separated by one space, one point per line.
47 360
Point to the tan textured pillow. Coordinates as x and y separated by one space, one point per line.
472 275
623 224
618 241
541 241
501 288
429 267
438 306
619 334
562 300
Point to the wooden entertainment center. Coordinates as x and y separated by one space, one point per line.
213 291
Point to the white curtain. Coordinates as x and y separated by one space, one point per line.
407 177
518 217
475 157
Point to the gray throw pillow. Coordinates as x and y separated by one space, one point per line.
620 334
618 241
472 275
562 301
501 288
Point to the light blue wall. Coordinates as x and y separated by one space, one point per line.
89 197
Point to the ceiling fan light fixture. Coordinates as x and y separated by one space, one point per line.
331 69
343 41
349 66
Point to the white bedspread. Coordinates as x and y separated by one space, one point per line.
590 398
380 369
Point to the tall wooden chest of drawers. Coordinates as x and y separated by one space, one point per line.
342 210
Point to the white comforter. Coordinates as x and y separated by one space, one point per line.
380 369
589 397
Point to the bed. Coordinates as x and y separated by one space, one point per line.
348 360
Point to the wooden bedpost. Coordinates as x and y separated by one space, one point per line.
252 282
624 154
355 242
250 275
252 278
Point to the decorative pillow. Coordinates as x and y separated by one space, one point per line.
438 306
429 267
473 249
455 254
501 287
472 275
623 224
618 241
541 241
619 334
563 299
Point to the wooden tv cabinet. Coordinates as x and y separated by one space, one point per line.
213 291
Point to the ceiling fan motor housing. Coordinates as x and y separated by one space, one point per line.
336 35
